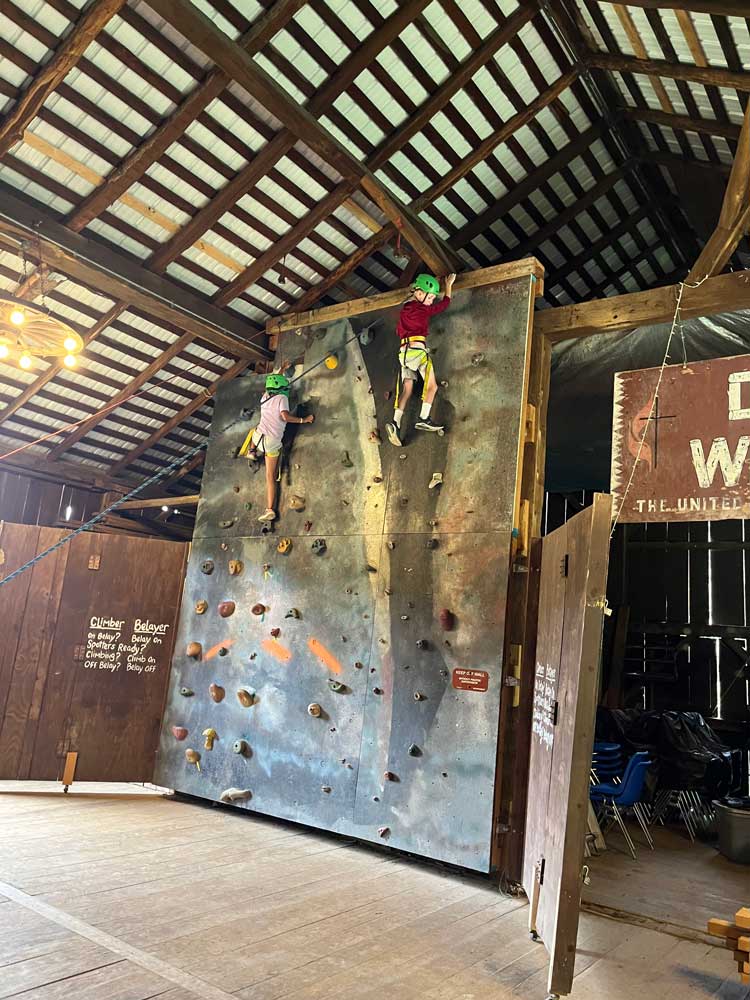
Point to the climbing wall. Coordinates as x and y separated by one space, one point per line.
358 712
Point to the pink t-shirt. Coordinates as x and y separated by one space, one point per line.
271 408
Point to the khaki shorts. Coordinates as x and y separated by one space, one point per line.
266 445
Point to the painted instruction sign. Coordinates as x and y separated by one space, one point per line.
120 645
685 447
543 713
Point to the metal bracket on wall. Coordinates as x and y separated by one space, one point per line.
515 656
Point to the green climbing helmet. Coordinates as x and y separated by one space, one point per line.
427 283
276 383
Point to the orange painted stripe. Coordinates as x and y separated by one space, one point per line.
325 656
214 650
279 652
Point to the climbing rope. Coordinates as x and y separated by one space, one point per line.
175 463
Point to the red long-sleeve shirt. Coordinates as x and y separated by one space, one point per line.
414 318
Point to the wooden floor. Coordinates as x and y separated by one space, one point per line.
680 883
115 898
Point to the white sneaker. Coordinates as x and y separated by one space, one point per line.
269 515
393 436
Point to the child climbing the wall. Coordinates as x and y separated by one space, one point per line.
414 355
266 439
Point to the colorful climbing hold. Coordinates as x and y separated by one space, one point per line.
447 620
179 732
194 650
258 609
284 546
383 831
193 757
210 735
437 480
235 567
389 776
201 607
235 794
314 710
217 692
308 525
297 503
226 608
246 697
276 632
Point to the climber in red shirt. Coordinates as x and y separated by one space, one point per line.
414 356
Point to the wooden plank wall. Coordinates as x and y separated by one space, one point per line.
50 702
28 500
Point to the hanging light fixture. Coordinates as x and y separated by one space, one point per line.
29 331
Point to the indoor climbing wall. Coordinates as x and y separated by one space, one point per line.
344 669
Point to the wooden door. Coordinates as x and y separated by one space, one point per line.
571 613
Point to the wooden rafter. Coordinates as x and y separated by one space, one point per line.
149 502
134 385
199 30
708 75
685 123
735 213
122 279
385 300
119 180
55 367
175 421
70 50
721 8
620 313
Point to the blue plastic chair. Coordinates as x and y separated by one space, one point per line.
613 798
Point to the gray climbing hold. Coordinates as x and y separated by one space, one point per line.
391 545
421 644
383 831
414 751
292 613
223 650
326 789
346 461
431 543
336 685
235 794
228 523
207 567
187 692
418 696
319 546
240 747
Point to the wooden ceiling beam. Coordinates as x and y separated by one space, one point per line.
205 35
480 56
171 501
125 174
620 313
267 158
527 186
530 266
722 8
52 73
175 348
735 213
707 75
174 422
56 366
703 126
77 474
183 470
121 278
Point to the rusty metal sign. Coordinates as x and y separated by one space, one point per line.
470 680
684 450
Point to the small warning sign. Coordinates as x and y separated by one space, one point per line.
470 680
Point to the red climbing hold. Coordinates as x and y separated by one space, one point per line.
447 620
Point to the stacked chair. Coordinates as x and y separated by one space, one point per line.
617 786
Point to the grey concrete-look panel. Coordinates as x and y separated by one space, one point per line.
364 603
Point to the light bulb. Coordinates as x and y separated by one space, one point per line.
25 361
4 351
17 317
165 508
70 344
69 361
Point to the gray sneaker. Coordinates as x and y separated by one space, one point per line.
428 424
393 436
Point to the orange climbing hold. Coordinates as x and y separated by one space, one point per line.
325 656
